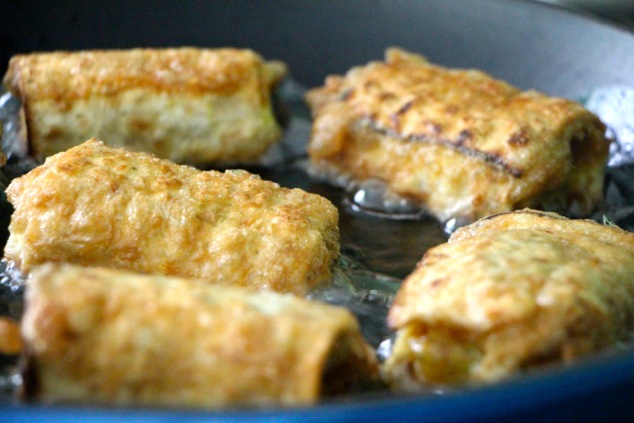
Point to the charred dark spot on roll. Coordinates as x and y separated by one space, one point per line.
494 159
405 107
519 138
497 160
460 144
395 117
464 136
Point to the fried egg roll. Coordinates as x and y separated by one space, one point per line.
508 293
97 335
97 205
189 105
458 142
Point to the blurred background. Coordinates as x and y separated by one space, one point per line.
621 11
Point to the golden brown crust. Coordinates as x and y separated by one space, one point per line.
101 206
108 336
108 72
146 98
513 290
460 142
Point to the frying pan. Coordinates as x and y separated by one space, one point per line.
531 45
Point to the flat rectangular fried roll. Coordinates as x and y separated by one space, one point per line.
98 335
97 205
189 105
510 292
459 142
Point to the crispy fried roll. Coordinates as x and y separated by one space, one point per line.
97 205
109 336
189 105
459 142
508 292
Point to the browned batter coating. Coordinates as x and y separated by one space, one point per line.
508 292
460 142
97 205
189 105
97 335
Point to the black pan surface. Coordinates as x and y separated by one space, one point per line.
528 44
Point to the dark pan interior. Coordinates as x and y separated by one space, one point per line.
528 44
525 43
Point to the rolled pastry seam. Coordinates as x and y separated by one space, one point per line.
107 336
189 105
510 292
96 205
459 142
